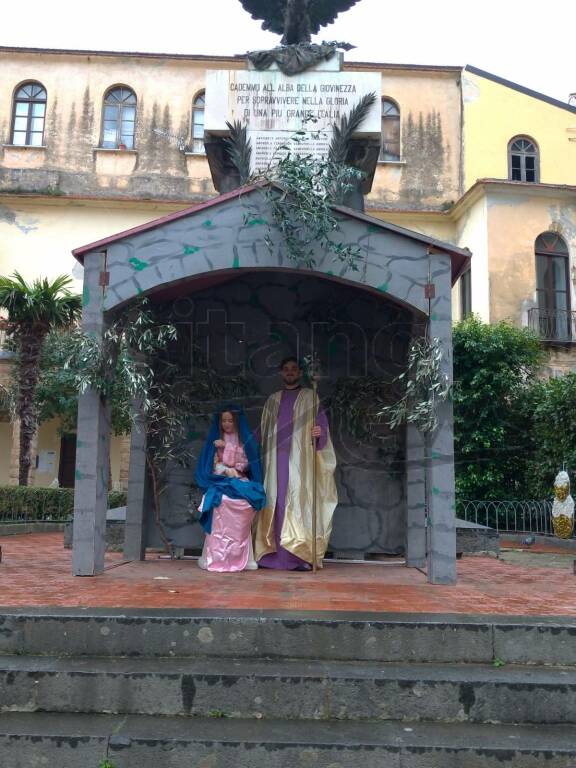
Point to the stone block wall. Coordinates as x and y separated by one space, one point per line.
245 327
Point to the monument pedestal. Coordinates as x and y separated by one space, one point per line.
290 114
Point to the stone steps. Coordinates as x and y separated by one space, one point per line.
187 689
71 741
417 638
289 689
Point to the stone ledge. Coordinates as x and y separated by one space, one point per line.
472 538
115 527
14 529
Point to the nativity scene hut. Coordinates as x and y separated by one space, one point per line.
223 268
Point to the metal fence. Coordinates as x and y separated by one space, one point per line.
513 516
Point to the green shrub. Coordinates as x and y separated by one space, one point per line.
494 367
50 504
549 408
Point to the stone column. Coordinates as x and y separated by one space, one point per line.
415 498
440 491
134 537
93 444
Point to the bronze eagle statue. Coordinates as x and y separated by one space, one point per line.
296 20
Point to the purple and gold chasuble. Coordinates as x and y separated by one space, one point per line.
284 530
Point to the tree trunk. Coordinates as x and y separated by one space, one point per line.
29 365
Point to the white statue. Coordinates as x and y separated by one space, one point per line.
563 507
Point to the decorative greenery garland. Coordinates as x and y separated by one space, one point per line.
423 386
305 189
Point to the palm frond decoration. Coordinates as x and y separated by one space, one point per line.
347 127
239 149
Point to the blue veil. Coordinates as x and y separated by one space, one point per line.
215 486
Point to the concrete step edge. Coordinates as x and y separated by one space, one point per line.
133 615
298 669
120 730
377 637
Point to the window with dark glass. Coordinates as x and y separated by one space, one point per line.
553 286
119 123
523 161
466 294
29 115
390 149
198 107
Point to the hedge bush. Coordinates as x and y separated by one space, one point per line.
56 504
494 367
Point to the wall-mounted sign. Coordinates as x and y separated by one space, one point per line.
275 108
47 461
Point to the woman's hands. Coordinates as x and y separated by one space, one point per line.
219 444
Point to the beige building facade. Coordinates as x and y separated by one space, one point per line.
93 143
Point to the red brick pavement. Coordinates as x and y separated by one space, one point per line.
36 571
545 547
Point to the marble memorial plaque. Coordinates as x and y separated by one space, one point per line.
276 108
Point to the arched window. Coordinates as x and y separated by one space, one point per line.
198 107
553 286
390 149
29 115
119 123
523 160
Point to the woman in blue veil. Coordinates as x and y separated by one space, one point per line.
230 474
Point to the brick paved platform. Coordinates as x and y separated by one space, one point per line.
36 571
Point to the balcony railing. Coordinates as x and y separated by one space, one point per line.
553 324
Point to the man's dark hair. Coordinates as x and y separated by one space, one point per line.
290 359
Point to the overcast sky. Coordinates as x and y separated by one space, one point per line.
531 44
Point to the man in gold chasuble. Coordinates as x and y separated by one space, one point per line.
293 436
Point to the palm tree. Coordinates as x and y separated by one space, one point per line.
33 311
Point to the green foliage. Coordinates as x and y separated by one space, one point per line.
493 367
348 125
239 149
44 504
302 208
33 310
120 367
423 385
549 407
56 393
356 402
106 763
59 382
40 305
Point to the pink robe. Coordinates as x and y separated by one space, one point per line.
229 547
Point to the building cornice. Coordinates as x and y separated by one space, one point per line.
238 59
484 187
